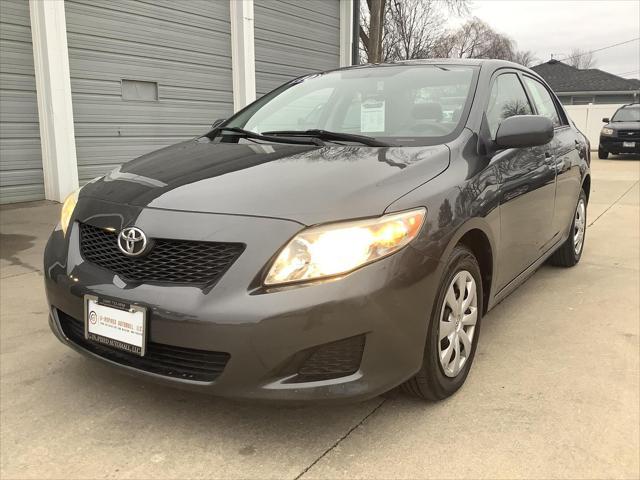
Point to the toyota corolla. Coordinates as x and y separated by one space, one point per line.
342 235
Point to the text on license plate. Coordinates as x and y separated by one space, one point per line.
628 144
115 324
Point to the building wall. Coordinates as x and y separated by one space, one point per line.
604 99
293 38
21 176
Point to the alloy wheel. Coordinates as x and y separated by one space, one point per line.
458 319
579 226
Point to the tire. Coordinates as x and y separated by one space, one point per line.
432 383
568 254
602 154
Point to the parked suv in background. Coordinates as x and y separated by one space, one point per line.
621 134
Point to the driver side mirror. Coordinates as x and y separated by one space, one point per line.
605 119
522 131
218 122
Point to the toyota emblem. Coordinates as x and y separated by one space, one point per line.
132 241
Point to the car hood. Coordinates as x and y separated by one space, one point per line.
306 184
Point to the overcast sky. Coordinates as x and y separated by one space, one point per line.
558 26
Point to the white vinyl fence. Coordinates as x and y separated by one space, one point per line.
588 118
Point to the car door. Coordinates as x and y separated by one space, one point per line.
527 184
568 147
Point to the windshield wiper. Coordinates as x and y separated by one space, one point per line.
327 135
258 136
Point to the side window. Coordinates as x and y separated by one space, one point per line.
507 99
543 101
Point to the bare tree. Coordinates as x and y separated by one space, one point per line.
524 57
403 29
371 29
414 27
476 39
581 59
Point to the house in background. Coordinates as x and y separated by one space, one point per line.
581 87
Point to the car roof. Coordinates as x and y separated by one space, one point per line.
474 62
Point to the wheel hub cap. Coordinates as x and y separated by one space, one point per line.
458 319
579 226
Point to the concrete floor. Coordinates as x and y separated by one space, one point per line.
553 393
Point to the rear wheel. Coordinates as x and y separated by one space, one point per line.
602 154
571 250
453 330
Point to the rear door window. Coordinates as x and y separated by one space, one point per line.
507 99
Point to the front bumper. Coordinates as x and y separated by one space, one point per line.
388 303
616 145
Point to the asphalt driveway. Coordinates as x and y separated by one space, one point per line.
554 391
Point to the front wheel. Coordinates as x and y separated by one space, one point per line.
602 154
570 251
453 331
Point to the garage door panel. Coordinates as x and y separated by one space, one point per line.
21 177
184 47
137 129
322 7
116 49
21 193
156 26
293 58
105 110
282 24
17 131
17 81
18 106
15 34
293 39
20 153
106 67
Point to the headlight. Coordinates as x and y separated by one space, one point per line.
608 131
338 248
67 210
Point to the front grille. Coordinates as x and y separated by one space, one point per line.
332 360
167 360
630 135
168 261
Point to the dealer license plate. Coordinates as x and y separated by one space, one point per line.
116 324
628 144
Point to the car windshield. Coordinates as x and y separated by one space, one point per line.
627 114
401 104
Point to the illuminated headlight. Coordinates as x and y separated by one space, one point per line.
338 248
67 210
608 131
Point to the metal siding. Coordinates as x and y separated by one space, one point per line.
183 45
21 177
294 38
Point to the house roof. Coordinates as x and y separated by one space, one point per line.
565 78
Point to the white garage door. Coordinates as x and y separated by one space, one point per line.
145 74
